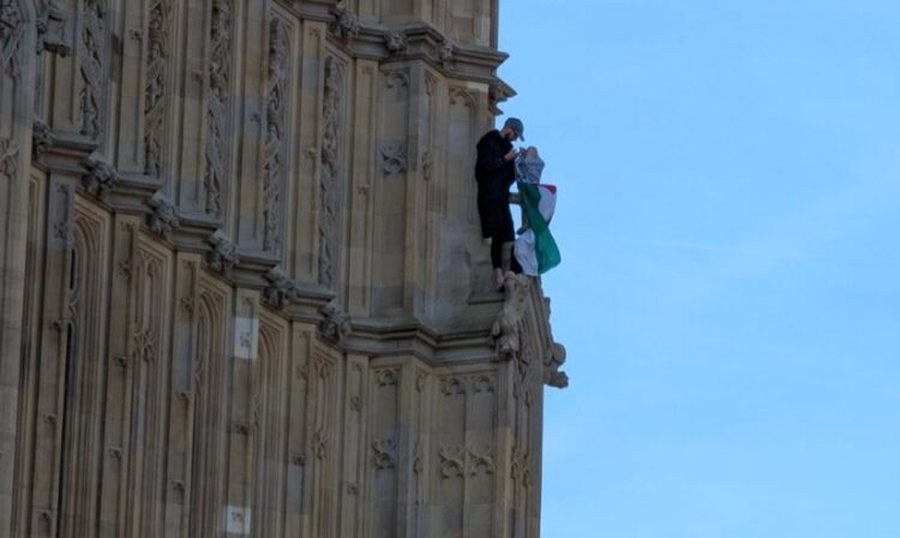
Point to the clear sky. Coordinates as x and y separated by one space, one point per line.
729 219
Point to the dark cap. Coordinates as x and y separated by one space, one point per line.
516 125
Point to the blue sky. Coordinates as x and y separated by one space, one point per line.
729 218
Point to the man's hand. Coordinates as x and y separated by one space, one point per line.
511 156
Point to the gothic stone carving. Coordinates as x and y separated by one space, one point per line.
457 461
41 138
281 289
93 54
445 53
100 178
154 103
506 327
555 358
393 158
273 178
330 178
11 31
345 24
9 153
163 219
395 42
223 256
217 105
51 26
336 324
385 456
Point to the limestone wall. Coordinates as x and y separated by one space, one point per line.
243 290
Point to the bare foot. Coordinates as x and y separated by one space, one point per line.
498 279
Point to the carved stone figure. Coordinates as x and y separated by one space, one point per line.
281 289
506 329
345 24
41 138
100 178
395 42
164 218
336 324
223 256
554 360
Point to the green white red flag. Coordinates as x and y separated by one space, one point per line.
535 249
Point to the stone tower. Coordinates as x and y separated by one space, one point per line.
242 286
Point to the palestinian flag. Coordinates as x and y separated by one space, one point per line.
535 249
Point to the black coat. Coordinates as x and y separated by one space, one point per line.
495 175
493 172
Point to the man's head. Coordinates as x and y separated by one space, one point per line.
513 129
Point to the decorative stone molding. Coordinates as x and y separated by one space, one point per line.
11 33
41 138
385 456
387 377
506 328
9 155
164 218
480 461
155 89
345 25
330 173
276 98
217 105
281 289
457 461
223 256
336 324
93 55
100 178
396 78
393 158
452 461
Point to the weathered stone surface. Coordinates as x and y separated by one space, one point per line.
244 291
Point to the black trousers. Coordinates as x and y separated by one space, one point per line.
497 224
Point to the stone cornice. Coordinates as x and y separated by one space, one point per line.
404 42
